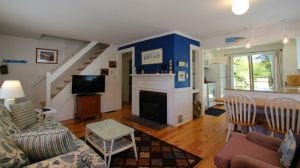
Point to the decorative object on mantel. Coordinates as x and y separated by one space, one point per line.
46 56
170 67
181 76
3 68
112 64
152 56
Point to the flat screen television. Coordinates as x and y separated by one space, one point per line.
88 84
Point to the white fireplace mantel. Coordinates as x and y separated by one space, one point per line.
179 101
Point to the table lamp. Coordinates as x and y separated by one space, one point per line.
10 90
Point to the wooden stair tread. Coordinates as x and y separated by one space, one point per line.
85 63
60 88
92 58
53 95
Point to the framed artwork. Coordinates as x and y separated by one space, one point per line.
181 76
46 56
104 71
181 63
152 56
112 64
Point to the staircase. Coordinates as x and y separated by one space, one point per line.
59 84
88 61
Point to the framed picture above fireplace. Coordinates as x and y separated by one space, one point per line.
152 56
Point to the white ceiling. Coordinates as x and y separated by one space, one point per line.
122 21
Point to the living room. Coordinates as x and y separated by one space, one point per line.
93 38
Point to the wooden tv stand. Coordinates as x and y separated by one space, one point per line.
88 106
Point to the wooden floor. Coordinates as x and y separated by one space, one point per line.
203 137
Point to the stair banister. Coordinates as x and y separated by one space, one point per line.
50 77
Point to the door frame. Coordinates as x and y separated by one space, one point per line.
121 52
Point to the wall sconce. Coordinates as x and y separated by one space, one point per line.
240 7
10 90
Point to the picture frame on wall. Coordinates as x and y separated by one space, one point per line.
46 56
104 71
152 56
181 63
181 76
112 64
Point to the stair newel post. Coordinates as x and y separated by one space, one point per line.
48 88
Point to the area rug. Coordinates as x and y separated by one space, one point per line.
147 123
214 111
153 152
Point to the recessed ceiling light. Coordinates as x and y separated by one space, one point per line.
248 45
240 7
285 40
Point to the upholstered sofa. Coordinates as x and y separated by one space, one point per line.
12 154
253 150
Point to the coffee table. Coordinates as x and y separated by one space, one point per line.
110 137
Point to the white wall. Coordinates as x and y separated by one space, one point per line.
288 53
32 74
222 55
290 59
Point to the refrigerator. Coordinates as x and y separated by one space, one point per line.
217 73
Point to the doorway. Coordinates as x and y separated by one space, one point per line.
126 78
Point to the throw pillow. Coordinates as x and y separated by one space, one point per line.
46 144
7 126
11 154
287 149
23 114
296 159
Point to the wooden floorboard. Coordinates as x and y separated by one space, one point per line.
203 137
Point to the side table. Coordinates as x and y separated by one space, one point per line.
47 111
108 136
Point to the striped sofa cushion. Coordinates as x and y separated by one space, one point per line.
23 114
46 144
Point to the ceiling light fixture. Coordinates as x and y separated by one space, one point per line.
240 7
248 45
285 40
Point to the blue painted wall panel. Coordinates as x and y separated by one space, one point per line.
175 47
182 53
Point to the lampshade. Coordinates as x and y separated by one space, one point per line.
240 7
11 89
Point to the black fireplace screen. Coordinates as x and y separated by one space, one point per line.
153 106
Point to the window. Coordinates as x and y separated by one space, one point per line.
253 71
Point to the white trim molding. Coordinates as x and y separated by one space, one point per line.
160 35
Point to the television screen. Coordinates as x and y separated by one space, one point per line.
88 84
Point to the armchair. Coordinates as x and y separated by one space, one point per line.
253 150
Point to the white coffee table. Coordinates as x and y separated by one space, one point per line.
108 136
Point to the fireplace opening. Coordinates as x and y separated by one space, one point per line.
153 106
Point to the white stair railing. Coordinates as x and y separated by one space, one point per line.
50 77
